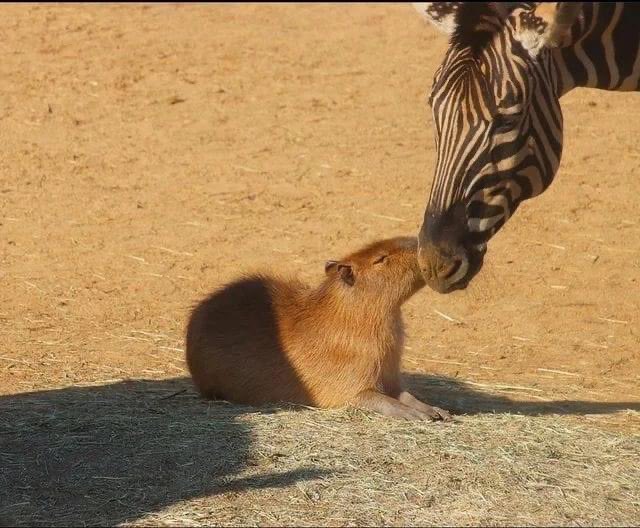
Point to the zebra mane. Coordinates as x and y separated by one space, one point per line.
476 23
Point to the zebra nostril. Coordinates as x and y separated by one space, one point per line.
450 269
441 266
427 272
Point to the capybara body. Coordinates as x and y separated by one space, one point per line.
266 339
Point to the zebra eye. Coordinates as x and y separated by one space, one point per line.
505 122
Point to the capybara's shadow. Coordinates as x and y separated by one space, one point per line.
103 455
460 398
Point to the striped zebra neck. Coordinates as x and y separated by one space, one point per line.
605 49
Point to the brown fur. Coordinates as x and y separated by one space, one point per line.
264 339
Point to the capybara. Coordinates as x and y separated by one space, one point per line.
266 339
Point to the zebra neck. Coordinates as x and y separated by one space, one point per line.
605 52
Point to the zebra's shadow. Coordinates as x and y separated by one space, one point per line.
457 396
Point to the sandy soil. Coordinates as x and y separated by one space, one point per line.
150 153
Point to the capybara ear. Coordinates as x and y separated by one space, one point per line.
330 265
346 274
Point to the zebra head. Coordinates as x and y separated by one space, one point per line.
498 126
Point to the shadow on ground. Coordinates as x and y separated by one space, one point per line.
460 398
107 454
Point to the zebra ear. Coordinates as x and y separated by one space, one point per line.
546 25
440 14
464 17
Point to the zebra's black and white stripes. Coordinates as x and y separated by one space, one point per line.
605 49
497 115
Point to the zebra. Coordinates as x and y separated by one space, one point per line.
497 116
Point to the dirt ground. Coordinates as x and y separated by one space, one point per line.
151 152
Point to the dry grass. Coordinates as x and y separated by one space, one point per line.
152 453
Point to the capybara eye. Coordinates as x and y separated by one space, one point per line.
380 259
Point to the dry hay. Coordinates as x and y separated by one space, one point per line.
150 452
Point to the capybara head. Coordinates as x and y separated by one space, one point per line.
386 270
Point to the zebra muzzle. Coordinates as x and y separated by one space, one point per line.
442 270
